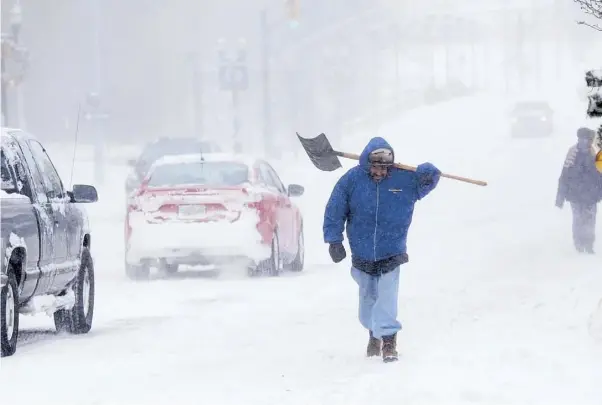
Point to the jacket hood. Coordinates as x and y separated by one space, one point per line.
586 133
373 144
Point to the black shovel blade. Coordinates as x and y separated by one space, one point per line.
320 152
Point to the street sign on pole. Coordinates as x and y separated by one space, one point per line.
233 77
92 116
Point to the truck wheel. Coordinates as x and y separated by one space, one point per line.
137 272
78 320
9 316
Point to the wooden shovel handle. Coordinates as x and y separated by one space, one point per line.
413 169
464 179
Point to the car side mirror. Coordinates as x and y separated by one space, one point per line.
295 190
83 193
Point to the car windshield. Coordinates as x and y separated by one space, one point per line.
168 147
199 173
532 107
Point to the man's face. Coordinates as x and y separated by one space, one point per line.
380 160
378 172
584 143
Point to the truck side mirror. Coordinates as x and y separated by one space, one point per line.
83 193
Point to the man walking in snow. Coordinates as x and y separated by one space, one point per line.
581 184
375 201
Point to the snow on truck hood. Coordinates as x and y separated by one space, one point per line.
14 196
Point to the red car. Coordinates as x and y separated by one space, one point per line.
215 209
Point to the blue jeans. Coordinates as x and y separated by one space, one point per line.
378 301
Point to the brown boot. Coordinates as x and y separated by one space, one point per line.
390 348
373 346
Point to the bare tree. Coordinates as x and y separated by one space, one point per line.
593 80
593 8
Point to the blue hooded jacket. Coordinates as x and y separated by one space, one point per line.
377 215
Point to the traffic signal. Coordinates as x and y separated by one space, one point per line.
93 100
293 11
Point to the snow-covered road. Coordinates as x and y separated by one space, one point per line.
495 304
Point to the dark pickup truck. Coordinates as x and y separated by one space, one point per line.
47 265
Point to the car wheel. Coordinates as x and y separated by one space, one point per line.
137 272
273 265
9 316
299 262
78 320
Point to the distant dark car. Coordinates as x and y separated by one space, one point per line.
532 119
160 148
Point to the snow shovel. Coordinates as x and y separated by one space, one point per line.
325 158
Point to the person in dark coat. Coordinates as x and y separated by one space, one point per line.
374 201
580 184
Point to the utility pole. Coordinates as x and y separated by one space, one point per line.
265 63
96 44
11 51
197 99
293 13
95 97
520 46
396 54
233 77
4 85
16 21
